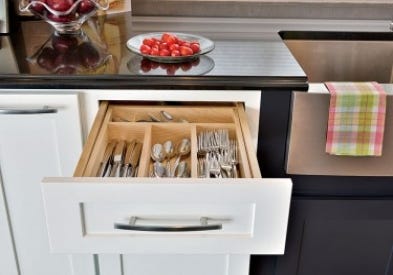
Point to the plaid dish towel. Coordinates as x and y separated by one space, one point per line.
356 118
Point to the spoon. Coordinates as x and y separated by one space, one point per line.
154 118
183 149
181 170
166 115
169 153
159 169
169 149
157 152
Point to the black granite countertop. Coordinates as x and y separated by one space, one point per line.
238 61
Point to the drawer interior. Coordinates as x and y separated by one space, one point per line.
120 121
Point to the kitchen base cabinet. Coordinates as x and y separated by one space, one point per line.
35 141
185 264
335 236
253 210
7 253
165 264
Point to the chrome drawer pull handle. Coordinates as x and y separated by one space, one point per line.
204 226
44 110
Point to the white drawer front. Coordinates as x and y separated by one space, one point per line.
81 213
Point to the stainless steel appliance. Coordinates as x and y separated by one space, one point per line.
3 16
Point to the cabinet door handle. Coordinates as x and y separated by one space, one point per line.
12 111
203 226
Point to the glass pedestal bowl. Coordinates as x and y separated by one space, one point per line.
66 16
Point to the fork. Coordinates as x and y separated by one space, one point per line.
224 159
214 166
234 157
202 168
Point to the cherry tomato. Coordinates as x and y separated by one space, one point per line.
163 45
175 53
148 41
195 47
174 47
168 45
145 49
164 52
185 51
155 52
186 44
169 38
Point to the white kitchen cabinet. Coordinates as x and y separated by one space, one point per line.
7 254
35 141
91 205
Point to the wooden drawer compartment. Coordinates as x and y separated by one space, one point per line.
120 123
246 215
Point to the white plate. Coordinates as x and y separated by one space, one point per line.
135 43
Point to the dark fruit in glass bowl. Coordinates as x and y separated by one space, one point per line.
60 5
85 6
66 16
37 6
61 19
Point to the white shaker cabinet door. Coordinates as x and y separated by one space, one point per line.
35 141
8 262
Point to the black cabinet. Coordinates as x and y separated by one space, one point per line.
339 225
334 237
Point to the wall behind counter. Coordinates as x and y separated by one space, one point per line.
307 9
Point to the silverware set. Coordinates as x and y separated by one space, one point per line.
121 159
162 155
217 155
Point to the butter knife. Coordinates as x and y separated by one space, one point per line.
136 154
106 161
118 157
127 158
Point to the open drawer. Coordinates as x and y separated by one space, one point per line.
144 214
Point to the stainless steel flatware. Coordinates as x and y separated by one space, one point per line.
127 158
134 160
167 116
105 165
154 118
118 157
183 149
159 169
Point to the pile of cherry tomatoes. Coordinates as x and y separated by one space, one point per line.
169 45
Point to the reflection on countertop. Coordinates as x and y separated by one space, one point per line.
236 53
72 54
